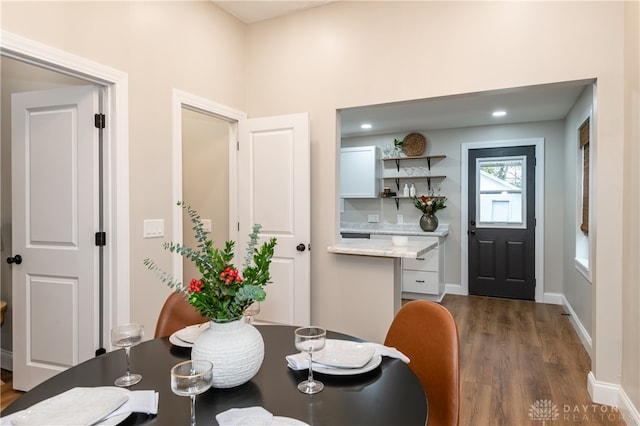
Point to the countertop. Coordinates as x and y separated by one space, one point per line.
380 248
392 229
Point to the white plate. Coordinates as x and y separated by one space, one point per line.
344 354
177 342
115 420
287 421
371 365
190 334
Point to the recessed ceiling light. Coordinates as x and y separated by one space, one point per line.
365 126
499 113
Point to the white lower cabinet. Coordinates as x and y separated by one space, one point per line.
425 275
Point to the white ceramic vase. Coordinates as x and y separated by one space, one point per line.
236 350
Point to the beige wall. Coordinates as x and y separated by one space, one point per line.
355 53
205 178
190 46
631 207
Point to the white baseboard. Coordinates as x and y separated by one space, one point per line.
628 410
615 396
554 298
454 289
583 335
6 360
602 392
420 296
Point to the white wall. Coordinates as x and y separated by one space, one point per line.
576 288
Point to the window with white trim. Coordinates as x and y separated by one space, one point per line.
583 206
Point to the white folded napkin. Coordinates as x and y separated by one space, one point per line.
300 361
250 416
84 406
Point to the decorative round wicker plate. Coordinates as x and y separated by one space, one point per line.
414 144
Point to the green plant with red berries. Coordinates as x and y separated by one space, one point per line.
222 293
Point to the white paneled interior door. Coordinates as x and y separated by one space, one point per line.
273 190
54 219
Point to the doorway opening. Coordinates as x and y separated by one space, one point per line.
466 228
116 199
198 121
205 178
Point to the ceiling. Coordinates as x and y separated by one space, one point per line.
524 104
256 11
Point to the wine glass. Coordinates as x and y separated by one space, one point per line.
191 378
309 340
251 311
125 336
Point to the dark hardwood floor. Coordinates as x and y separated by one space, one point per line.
515 357
521 363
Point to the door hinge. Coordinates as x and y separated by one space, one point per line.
101 239
100 121
238 226
237 145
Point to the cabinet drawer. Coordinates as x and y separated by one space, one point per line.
428 261
420 282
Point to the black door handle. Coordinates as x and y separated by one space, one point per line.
300 247
471 232
17 259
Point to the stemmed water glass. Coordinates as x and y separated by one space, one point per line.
251 311
191 378
125 336
309 340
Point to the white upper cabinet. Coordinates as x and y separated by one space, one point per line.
359 175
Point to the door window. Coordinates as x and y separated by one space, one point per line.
501 192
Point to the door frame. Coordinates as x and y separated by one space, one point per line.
115 86
181 99
539 210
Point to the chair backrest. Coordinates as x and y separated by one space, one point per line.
176 313
427 333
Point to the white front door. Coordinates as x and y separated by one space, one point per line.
273 190
54 158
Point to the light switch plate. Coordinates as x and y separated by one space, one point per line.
153 228
206 225
373 218
400 219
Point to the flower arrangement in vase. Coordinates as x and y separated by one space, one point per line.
428 206
222 292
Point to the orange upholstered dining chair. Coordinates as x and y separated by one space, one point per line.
427 333
176 313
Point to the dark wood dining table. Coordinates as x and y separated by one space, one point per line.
389 395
